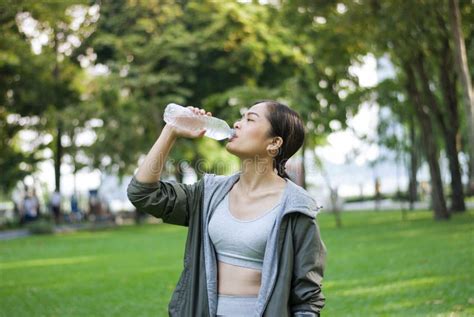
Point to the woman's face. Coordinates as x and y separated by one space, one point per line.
252 134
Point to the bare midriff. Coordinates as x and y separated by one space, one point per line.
237 280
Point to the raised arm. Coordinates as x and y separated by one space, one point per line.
171 201
151 168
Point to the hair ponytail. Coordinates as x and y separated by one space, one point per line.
281 168
287 124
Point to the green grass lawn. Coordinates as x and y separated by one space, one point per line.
378 265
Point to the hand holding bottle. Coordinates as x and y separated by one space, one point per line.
191 122
188 122
180 131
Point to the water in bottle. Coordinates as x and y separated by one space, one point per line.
185 118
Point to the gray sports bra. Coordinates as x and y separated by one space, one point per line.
240 242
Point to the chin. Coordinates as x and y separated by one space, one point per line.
229 149
232 150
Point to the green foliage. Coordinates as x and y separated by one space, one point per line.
34 88
217 55
24 88
189 56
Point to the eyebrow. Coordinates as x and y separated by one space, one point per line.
251 112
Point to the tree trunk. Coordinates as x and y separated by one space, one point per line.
467 92
448 85
457 197
334 197
412 187
447 121
431 150
59 130
58 156
429 145
335 206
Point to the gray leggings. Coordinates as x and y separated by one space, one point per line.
236 306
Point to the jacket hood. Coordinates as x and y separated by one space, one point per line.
294 199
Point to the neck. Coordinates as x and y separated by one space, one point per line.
257 174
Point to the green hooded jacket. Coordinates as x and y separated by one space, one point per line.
294 257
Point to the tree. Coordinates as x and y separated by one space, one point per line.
25 89
413 34
463 73
322 87
44 87
207 54
396 130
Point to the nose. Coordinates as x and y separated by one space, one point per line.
237 124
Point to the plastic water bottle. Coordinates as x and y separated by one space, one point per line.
184 118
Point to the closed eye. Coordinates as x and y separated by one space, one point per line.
243 117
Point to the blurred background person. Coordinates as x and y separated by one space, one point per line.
56 206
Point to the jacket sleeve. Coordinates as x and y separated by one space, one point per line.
171 201
306 297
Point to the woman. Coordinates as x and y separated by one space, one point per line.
253 247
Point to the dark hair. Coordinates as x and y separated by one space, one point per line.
287 124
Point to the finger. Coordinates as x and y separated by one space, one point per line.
202 111
209 114
198 133
192 109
